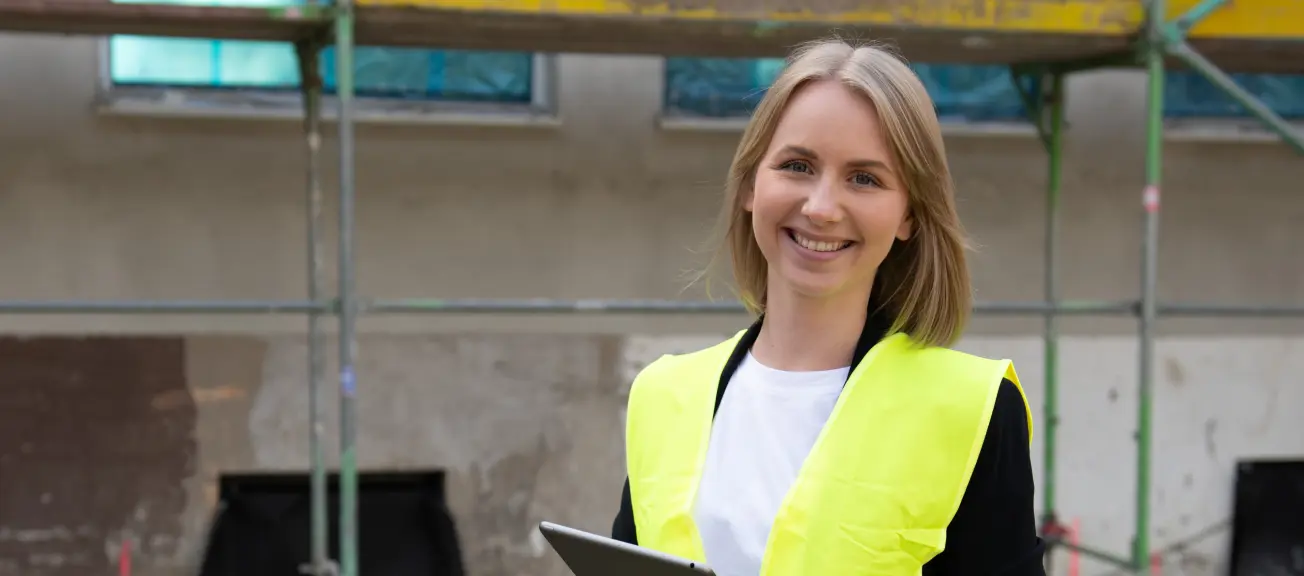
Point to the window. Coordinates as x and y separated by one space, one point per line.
730 88
259 71
725 88
1189 95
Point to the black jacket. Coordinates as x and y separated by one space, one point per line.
994 532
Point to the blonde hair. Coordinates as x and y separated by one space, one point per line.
923 283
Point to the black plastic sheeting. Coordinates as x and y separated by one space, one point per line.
262 526
1268 519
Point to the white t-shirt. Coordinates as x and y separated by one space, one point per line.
767 423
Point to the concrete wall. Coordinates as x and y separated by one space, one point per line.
525 412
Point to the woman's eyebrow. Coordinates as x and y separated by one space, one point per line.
858 163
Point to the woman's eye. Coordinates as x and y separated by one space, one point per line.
863 179
795 166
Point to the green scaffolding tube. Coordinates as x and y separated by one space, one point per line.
310 78
1050 336
1154 59
348 300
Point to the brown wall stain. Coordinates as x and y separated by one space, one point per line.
96 437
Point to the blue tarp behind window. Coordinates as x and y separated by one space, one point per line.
724 87
718 87
382 72
1189 95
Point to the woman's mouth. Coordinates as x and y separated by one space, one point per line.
817 245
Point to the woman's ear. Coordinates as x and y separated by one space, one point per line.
906 229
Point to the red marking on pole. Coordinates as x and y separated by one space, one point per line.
124 558
1150 198
1075 559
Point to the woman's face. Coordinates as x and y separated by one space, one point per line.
828 199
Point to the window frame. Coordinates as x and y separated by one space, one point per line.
1223 129
197 102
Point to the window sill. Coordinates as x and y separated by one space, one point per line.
736 125
182 104
1176 130
1217 130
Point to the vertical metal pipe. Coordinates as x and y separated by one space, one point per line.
310 77
1154 47
1051 327
347 299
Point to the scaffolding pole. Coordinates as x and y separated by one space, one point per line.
311 83
607 306
348 301
1229 311
1050 336
164 307
1154 59
547 306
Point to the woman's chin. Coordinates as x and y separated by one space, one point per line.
813 286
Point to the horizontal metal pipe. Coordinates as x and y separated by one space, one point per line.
1063 308
594 306
1231 310
1101 555
552 306
549 306
163 307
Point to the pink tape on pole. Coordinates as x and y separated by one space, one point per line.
1075 559
1150 198
124 558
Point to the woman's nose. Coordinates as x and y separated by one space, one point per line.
822 204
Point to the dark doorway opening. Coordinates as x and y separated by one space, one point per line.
1268 518
262 525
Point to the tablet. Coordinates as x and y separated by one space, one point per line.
592 555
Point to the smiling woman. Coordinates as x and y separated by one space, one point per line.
825 204
838 434
873 121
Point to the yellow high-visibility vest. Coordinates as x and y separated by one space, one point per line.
880 486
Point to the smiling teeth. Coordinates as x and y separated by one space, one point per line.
809 244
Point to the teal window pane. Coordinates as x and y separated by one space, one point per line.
405 73
716 87
256 64
1188 94
724 87
137 60
968 93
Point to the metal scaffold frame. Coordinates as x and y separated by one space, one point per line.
1044 99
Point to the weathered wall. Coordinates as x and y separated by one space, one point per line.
525 412
529 428
96 440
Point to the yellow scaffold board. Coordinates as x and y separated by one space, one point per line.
1242 35
1240 19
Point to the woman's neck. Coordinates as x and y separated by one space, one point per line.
806 334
